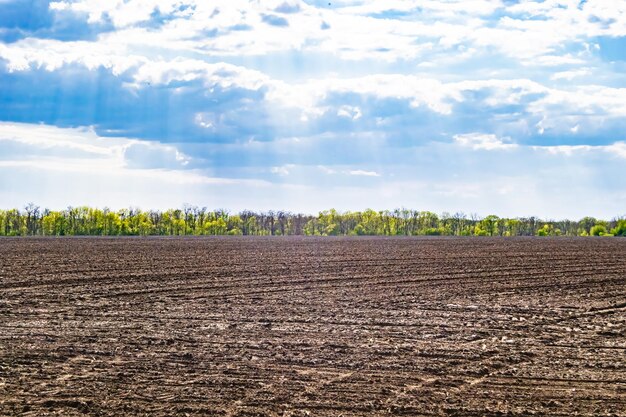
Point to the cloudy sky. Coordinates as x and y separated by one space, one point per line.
483 106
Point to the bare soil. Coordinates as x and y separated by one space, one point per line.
313 327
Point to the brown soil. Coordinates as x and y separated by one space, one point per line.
313 327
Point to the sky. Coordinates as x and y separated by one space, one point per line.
514 108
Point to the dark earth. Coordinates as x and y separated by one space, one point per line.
313 326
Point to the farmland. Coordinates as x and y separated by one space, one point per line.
294 326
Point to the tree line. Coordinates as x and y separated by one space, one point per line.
191 220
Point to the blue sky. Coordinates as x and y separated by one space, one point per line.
479 106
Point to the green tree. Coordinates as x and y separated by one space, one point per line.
53 223
620 228
598 230
585 224
490 224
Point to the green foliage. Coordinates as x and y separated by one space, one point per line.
480 232
598 230
490 224
359 230
620 228
191 220
585 225
549 229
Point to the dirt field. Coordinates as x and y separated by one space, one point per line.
313 327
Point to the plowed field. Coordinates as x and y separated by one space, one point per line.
313 327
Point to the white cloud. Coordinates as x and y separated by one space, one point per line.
417 90
351 112
490 142
161 55
480 141
220 74
449 8
214 28
570 75
352 34
48 137
560 109
363 173
326 170
614 150
153 155
287 169
52 55
83 148
617 149
588 99
283 170
122 13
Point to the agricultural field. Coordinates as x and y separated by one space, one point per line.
313 326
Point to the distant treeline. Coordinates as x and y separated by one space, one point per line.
190 220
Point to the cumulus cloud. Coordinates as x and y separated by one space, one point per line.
222 101
387 30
